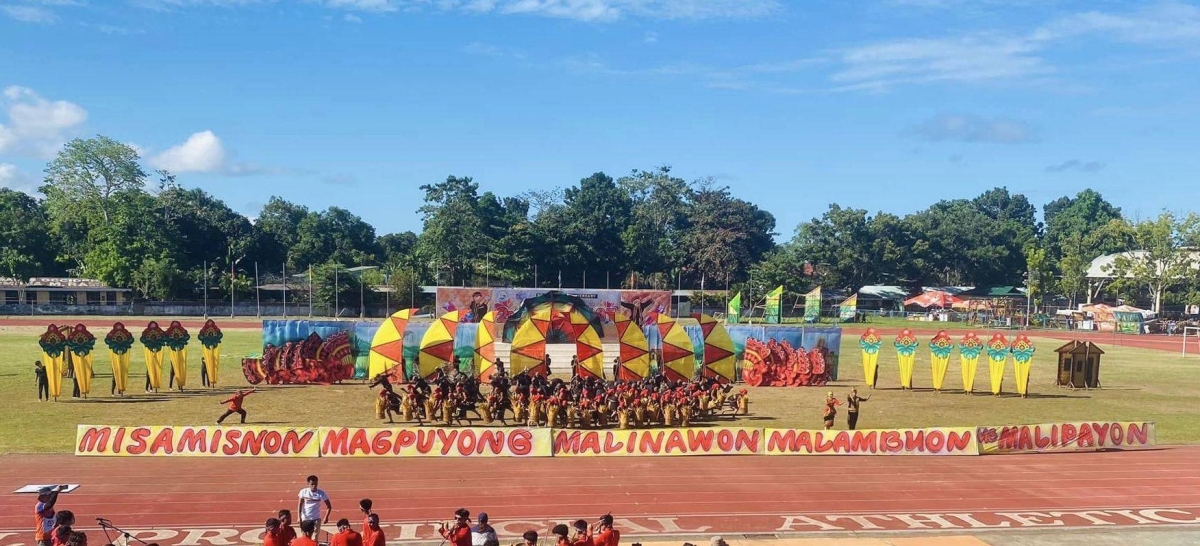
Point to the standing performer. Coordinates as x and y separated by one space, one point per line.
608 536
459 533
43 381
830 410
43 513
852 403
235 405
309 505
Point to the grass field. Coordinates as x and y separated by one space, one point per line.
1139 384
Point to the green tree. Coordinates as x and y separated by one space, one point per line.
398 248
276 231
335 235
1162 257
725 235
453 237
653 237
851 249
27 249
597 211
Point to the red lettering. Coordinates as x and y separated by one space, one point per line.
1026 441
566 442
118 439
446 438
651 442
164 442
1139 434
359 443
381 442
935 440
748 440
138 437
1068 434
1009 438
864 442
891 441
1101 433
785 441
702 440
425 441
231 442
214 441
914 441
675 441
591 442
336 442
95 439
1117 434
466 442
253 442
294 442
192 440
841 442
1040 440
958 441
611 445
821 444
1054 435
520 442
491 440
404 438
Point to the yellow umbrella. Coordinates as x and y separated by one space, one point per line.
54 348
997 350
387 346
718 349
81 342
529 344
210 337
119 342
588 347
940 348
437 346
485 347
678 357
635 350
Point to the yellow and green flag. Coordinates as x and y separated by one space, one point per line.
733 314
772 313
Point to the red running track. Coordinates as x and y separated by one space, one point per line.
179 501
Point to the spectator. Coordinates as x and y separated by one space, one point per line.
287 533
43 380
608 536
63 521
459 533
345 535
272 536
311 499
372 534
583 534
77 538
482 533
44 511
308 531
529 538
560 533
364 506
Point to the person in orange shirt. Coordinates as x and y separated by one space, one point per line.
372 534
459 533
345 535
44 513
583 534
235 404
608 536
273 536
364 506
286 531
308 530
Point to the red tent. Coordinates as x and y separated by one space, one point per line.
934 298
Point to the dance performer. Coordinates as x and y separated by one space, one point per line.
235 405
43 381
852 403
459 532
830 409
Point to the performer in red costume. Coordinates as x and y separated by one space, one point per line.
830 409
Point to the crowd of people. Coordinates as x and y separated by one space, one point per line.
54 527
536 400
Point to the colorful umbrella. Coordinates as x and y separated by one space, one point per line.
484 359
718 349
437 346
940 348
387 346
906 354
968 356
1022 351
678 359
997 350
870 344
528 352
635 350
588 347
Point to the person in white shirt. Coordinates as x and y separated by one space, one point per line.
309 506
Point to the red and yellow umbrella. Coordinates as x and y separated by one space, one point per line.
678 359
718 349
485 347
437 346
387 347
635 350
529 344
588 347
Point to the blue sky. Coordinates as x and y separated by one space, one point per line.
877 104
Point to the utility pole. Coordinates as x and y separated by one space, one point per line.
205 288
257 293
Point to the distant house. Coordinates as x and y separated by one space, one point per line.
61 291
884 297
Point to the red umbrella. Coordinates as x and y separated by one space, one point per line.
934 298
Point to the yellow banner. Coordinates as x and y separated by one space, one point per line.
923 441
435 442
1076 436
183 441
651 442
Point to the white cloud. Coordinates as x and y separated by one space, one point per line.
352 18
36 126
200 153
971 128
650 37
969 59
29 14
12 178
580 10
1076 165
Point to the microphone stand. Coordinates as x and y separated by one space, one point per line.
108 527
